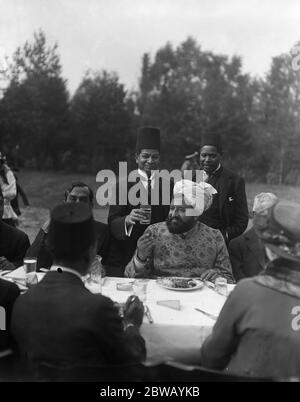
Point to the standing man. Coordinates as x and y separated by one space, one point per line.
229 211
126 221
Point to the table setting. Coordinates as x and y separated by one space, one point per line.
179 312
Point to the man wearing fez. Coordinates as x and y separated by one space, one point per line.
127 222
61 322
229 211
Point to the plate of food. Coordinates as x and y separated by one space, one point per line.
181 284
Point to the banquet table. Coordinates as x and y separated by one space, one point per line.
174 334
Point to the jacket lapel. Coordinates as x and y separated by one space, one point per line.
225 183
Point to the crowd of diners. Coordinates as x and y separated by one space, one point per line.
201 233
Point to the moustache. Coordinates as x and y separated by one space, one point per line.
173 220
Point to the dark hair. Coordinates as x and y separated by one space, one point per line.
80 184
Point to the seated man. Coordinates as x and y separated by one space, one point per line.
247 253
257 332
182 246
59 321
8 294
13 243
78 192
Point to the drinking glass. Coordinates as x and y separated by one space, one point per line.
30 271
140 289
96 273
146 209
221 285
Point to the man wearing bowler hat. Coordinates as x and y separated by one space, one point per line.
127 222
59 321
229 211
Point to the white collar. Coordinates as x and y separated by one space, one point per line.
143 175
65 269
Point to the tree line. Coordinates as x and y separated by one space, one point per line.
184 90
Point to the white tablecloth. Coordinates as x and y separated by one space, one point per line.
174 335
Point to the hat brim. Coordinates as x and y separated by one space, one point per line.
282 253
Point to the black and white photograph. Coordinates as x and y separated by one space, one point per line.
149 193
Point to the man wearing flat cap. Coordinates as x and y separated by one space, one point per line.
59 321
258 330
247 253
127 222
229 212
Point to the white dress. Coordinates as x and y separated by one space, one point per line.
9 192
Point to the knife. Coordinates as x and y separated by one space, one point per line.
148 315
211 316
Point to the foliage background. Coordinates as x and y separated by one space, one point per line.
184 90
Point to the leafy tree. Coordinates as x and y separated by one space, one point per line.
279 120
101 120
188 92
34 109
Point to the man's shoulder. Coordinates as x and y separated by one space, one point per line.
248 287
158 227
225 172
242 239
12 232
203 228
8 290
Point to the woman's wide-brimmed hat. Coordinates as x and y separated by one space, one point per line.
282 235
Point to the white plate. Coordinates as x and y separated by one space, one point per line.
167 283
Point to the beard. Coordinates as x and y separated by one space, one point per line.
177 226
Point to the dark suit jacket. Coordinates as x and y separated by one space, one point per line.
60 322
247 255
123 247
233 205
39 248
8 294
13 244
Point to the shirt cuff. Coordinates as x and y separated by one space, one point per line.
128 229
138 263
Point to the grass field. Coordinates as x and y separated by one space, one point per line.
46 189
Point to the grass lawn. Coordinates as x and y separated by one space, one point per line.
46 189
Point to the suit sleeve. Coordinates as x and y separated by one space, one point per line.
39 250
116 220
21 248
222 263
121 346
240 217
236 258
103 242
218 348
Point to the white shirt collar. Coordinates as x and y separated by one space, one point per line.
145 178
65 269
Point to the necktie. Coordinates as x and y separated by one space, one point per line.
149 191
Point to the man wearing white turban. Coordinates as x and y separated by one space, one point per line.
182 246
248 255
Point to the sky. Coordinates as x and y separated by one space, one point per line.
114 34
